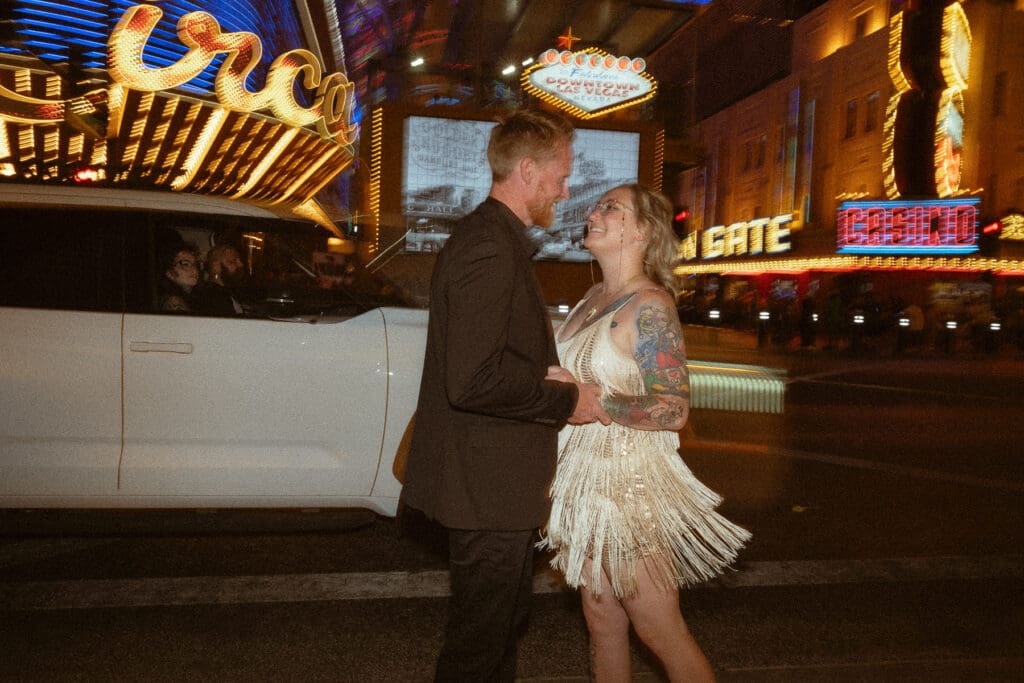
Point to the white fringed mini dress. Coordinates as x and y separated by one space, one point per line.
622 494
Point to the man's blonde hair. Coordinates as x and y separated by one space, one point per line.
526 133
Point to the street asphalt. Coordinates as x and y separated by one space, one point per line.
864 566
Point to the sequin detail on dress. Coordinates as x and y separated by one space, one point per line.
621 494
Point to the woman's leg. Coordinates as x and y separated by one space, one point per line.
608 625
654 612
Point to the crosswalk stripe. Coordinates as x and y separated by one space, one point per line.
220 590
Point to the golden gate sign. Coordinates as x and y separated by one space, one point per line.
745 238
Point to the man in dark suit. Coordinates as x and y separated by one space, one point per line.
484 446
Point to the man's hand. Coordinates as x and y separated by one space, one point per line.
588 405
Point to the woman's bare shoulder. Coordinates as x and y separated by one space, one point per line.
655 296
648 301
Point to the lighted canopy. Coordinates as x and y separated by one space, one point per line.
139 126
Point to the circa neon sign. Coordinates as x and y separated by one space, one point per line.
588 83
759 236
947 226
199 31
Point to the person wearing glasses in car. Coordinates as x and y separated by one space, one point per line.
180 276
629 523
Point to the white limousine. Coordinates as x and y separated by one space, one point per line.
301 400
106 401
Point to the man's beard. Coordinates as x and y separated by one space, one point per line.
235 279
542 214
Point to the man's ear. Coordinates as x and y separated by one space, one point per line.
527 168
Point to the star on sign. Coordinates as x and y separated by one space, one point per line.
566 41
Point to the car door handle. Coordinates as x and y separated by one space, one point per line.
160 347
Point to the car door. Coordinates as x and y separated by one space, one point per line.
60 358
60 407
233 411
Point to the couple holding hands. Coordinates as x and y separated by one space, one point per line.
576 433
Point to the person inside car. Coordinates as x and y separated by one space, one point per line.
181 274
225 276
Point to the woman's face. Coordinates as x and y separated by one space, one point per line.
184 272
610 220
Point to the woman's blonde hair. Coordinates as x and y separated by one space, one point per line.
654 213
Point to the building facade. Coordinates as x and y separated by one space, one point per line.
887 165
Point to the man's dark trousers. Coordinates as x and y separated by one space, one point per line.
492 586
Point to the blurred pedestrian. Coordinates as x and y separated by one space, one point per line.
630 523
484 443
808 322
915 324
833 320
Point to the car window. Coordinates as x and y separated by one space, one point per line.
53 259
120 260
291 270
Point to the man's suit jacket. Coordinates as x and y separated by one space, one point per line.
213 299
484 444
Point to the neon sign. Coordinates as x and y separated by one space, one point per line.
332 104
589 83
199 31
928 92
938 226
949 122
750 238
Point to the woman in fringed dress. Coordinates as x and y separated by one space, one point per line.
630 524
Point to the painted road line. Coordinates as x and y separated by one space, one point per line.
220 590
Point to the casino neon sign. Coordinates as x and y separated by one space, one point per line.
937 226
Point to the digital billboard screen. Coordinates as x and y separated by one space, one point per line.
445 175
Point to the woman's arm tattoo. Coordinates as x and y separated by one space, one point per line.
661 356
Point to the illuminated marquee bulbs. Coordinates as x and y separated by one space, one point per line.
592 60
589 83
901 166
332 105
